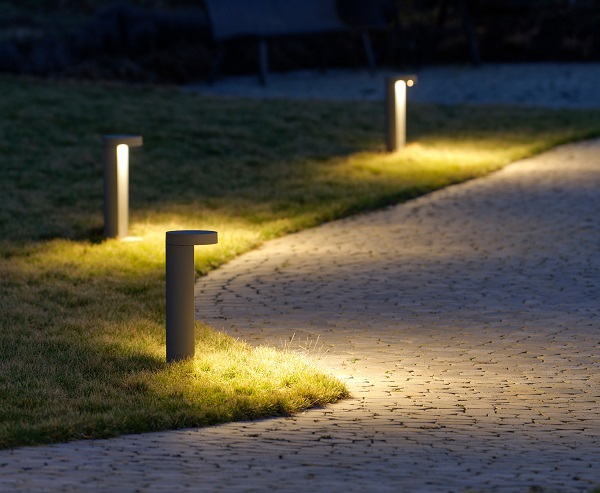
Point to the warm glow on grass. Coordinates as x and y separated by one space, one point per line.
82 332
271 378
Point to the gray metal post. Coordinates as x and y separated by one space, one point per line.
116 183
180 289
395 106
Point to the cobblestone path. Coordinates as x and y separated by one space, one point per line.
466 323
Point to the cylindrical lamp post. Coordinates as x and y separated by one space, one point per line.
180 289
396 110
116 183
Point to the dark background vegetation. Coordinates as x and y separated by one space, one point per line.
169 41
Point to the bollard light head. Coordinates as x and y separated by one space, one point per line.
409 79
191 237
129 140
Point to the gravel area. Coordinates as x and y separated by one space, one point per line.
569 85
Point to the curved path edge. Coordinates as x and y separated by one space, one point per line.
465 322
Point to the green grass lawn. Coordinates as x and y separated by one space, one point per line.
82 326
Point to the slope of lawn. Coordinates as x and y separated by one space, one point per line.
82 320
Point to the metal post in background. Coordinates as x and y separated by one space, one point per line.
395 105
116 183
180 289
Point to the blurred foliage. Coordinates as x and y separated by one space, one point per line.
36 37
86 6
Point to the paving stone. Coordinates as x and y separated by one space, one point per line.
466 326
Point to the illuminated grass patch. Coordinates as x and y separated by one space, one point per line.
82 326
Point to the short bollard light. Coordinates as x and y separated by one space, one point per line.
116 183
180 289
396 110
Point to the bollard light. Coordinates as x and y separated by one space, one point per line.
396 110
116 183
180 289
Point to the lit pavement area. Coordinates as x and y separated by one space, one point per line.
466 324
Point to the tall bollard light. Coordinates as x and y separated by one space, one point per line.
116 183
180 289
396 110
